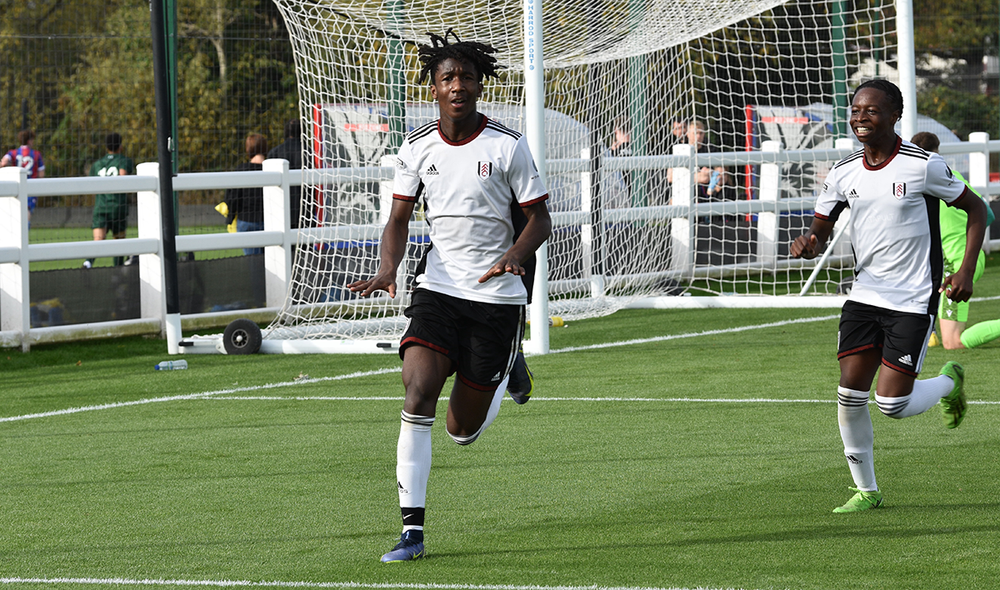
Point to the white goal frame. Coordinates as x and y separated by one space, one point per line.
535 131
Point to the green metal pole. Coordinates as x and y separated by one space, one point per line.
170 48
838 48
396 92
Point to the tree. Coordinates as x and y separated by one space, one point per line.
963 30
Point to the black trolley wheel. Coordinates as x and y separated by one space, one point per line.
242 336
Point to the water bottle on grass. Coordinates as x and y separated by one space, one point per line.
171 365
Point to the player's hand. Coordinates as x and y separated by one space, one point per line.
504 266
380 282
804 247
957 287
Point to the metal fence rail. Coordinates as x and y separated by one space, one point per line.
278 238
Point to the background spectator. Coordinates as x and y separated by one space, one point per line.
29 158
246 205
111 210
291 150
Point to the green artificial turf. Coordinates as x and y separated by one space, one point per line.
689 460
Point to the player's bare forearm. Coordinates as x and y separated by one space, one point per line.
391 251
536 231
809 244
958 287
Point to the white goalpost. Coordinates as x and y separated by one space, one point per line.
640 216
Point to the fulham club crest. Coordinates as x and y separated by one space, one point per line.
899 189
485 169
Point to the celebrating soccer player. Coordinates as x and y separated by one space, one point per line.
892 188
467 309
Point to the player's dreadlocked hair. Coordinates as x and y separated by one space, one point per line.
478 54
891 90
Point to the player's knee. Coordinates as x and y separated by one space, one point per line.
464 439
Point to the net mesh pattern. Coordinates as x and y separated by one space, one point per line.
621 77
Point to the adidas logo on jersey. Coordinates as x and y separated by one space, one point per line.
432 170
853 194
906 360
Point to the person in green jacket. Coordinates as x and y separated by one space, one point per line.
111 210
953 315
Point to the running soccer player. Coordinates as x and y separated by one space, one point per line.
952 315
467 309
892 188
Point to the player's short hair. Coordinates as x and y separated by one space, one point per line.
24 136
293 129
891 90
256 144
473 52
926 140
113 142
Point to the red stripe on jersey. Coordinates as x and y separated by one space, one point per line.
406 198
468 139
533 201
965 191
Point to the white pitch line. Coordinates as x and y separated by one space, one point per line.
342 585
389 370
172 398
696 334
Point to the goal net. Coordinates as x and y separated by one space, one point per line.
656 116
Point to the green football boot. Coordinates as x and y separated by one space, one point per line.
953 405
861 501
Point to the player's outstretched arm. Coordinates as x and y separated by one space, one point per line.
537 230
391 252
958 286
809 244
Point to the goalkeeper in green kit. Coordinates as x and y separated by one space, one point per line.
952 314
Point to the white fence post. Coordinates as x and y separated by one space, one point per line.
152 297
768 221
15 295
681 190
277 217
979 172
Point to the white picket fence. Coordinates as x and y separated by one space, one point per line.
277 238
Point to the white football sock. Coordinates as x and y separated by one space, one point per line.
413 462
858 436
925 395
491 415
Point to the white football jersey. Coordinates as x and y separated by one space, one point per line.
468 189
894 224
